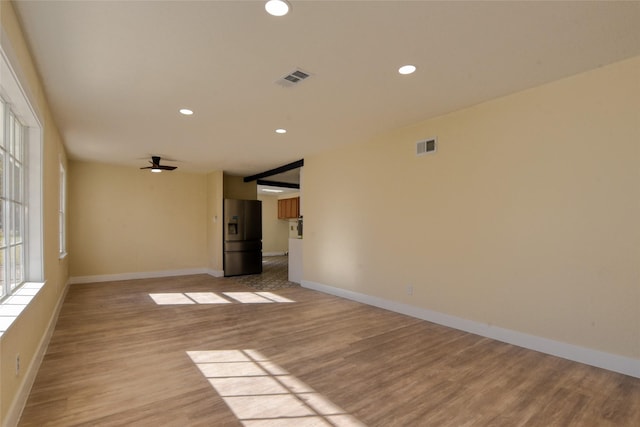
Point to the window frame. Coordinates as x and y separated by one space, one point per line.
62 212
13 202
16 99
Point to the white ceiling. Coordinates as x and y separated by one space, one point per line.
116 72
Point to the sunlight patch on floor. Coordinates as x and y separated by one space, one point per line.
256 297
179 298
262 394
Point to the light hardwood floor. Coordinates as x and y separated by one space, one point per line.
117 358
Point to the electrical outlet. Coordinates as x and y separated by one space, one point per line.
17 364
409 289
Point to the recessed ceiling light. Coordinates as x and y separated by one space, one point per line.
277 7
186 112
269 190
407 69
281 130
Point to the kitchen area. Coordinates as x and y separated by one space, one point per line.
282 219
282 225
289 210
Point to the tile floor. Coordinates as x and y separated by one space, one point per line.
275 275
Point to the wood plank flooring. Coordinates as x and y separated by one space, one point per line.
117 358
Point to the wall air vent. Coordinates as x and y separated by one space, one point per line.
426 146
293 78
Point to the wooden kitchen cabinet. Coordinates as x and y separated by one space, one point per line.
289 208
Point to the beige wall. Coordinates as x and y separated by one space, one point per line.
289 195
275 234
526 218
126 220
236 188
26 333
215 182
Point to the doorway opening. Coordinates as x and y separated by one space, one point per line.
280 191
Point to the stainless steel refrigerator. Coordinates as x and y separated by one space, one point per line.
242 237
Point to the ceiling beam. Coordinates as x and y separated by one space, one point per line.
295 165
278 184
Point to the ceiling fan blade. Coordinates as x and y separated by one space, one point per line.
155 165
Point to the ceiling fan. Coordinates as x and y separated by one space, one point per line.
157 167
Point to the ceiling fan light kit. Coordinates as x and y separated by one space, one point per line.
156 167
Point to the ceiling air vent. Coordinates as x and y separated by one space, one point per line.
293 78
427 146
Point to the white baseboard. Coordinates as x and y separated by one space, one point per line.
273 253
599 359
19 401
215 273
140 275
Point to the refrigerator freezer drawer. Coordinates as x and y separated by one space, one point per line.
238 263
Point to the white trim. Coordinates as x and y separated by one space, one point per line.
24 105
13 305
14 412
35 270
134 276
62 209
215 273
600 359
273 253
